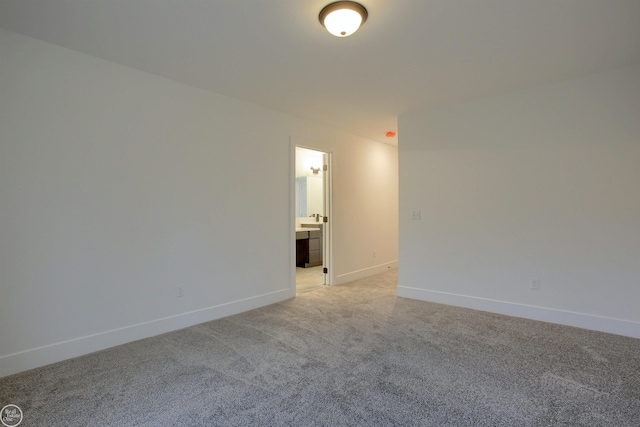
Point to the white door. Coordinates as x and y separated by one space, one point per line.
326 234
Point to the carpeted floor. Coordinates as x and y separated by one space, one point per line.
350 355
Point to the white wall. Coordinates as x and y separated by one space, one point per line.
543 183
118 186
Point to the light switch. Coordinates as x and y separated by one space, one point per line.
415 215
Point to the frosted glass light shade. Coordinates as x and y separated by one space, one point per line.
343 18
343 22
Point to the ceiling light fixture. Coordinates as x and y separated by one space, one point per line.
343 18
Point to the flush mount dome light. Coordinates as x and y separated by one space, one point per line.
343 18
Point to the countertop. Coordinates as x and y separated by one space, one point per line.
307 229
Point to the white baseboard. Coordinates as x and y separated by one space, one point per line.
611 325
56 352
365 272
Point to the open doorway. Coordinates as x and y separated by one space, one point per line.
312 202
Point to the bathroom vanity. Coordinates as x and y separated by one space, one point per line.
309 245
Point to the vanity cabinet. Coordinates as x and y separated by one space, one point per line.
315 248
302 248
309 246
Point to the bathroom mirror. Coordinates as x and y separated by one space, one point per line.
309 183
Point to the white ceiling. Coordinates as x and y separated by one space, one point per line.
410 55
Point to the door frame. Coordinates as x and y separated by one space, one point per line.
327 258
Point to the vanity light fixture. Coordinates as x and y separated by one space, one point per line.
315 170
343 18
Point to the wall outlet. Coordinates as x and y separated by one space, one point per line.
374 254
534 283
179 291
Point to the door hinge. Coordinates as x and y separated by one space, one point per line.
325 219
325 270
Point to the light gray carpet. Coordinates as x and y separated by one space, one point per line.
351 355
